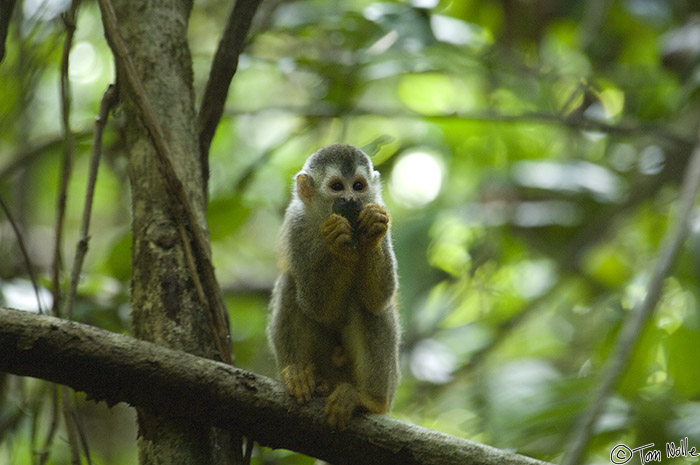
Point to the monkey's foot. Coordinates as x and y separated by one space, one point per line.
343 402
340 406
299 380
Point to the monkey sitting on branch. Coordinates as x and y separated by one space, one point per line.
333 325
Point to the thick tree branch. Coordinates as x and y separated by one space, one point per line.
119 368
222 70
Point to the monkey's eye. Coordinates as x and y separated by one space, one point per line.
337 186
358 186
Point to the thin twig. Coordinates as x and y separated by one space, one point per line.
70 426
53 426
538 117
82 436
69 19
109 99
182 209
26 155
191 265
11 421
69 143
632 328
222 70
23 251
249 444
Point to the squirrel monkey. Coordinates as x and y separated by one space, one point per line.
333 326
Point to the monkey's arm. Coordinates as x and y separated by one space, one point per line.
325 269
377 265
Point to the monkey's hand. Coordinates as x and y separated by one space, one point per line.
343 402
373 223
300 381
336 233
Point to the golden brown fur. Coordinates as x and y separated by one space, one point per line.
333 324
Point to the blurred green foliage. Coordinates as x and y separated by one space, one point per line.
551 139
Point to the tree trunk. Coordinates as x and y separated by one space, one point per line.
166 307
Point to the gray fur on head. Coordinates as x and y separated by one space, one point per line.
344 156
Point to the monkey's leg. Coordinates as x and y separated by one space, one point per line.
295 341
306 371
371 343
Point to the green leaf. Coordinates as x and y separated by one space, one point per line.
226 216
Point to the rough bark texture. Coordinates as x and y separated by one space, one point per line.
114 367
166 306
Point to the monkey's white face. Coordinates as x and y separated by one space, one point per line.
340 176
357 186
362 186
320 191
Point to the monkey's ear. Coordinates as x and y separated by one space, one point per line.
375 176
305 188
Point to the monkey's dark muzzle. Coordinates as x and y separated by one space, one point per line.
350 209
